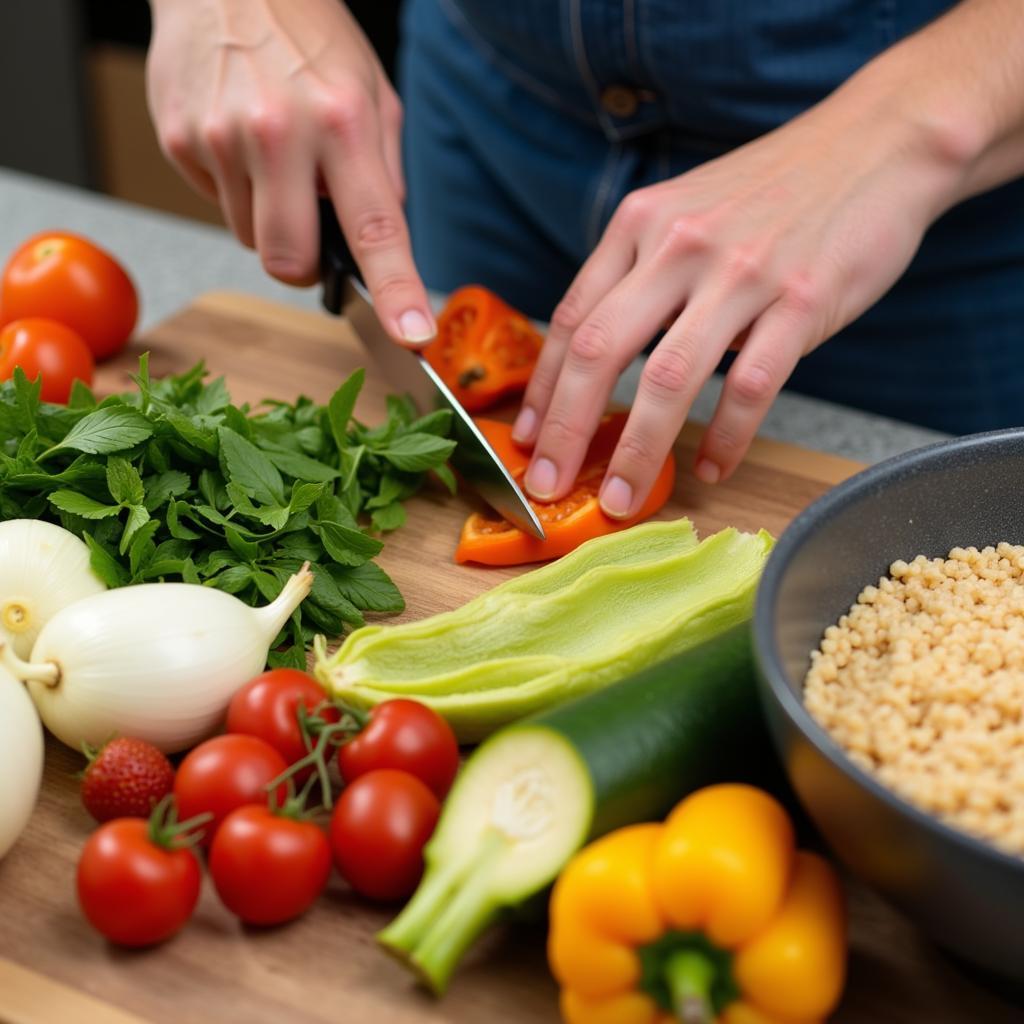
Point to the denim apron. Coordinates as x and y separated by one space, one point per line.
528 121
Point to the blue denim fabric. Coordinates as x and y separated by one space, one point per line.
514 168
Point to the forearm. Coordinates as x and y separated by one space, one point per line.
958 85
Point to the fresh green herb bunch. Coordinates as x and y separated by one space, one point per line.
173 482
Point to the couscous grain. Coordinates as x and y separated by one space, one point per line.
922 683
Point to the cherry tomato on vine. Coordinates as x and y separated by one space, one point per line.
134 886
225 773
379 827
49 348
65 277
407 736
268 868
267 707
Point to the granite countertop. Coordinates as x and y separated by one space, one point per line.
173 260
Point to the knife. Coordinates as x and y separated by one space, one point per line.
407 371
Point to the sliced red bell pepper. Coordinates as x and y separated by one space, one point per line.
484 348
489 540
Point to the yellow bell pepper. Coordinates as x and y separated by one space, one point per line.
713 916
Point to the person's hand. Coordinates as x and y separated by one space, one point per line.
770 249
259 105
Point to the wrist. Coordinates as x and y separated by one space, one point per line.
922 123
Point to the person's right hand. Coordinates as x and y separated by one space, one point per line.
259 103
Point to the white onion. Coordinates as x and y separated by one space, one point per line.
43 568
21 759
159 661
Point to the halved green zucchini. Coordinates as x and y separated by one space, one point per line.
535 792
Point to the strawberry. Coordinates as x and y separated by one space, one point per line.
125 778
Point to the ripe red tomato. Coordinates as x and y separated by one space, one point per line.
267 707
379 827
224 773
66 277
409 737
49 348
268 868
133 891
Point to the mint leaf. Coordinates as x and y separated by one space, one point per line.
304 496
142 548
325 592
297 465
244 464
124 482
177 529
447 477
138 516
214 397
342 405
104 564
367 586
414 453
199 437
438 422
142 382
291 657
245 549
233 579
169 484
105 430
81 505
400 409
81 396
26 398
346 545
390 517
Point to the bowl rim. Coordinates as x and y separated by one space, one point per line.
770 661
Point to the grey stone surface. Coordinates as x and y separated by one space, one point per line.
173 260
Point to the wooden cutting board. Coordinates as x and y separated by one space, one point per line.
325 966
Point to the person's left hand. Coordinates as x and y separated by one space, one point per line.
770 249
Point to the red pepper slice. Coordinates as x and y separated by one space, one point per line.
484 348
489 540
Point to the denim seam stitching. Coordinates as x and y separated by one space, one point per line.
629 32
514 73
583 65
601 193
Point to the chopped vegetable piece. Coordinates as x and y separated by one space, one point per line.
509 653
712 916
484 349
577 517
533 794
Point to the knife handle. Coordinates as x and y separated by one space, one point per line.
336 260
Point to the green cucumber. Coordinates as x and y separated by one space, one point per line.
535 792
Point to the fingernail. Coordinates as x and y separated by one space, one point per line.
415 327
526 421
707 471
616 497
541 479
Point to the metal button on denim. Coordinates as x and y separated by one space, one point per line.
620 100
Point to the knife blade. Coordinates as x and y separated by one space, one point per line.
407 371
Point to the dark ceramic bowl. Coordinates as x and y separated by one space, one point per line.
966 894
